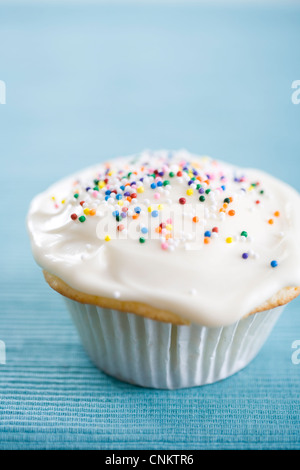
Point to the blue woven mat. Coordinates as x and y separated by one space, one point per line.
86 83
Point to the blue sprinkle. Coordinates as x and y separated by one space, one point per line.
201 190
207 233
107 198
107 192
274 263
159 183
127 193
123 214
144 230
137 210
154 213
115 213
119 196
153 185
122 187
88 188
223 187
245 255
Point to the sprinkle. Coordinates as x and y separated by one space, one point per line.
244 234
277 214
86 211
231 212
274 263
160 207
149 209
202 198
142 240
140 189
245 255
120 227
215 229
207 233
156 196
271 221
144 230
195 219
137 210
229 240
182 200
76 195
154 213
206 240
81 218
107 238
73 216
189 192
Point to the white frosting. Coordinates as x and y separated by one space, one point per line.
210 284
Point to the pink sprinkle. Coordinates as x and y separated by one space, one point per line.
56 206
164 246
169 221
95 194
156 195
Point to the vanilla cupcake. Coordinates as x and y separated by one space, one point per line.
174 267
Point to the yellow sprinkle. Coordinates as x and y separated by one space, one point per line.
110 173
189 192
169 227
160 207
86 211
107 238
229 240
53 198
63 201
101 184
120 203
140 189
250 188
150 209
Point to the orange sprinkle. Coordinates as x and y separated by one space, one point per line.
271 221
206 240
195 219
135 216
277 213
92 211
169 235
158 230
231 212
128 198
231 199
222 210
225 205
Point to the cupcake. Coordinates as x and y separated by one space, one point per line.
174 267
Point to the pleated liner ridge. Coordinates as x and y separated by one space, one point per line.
154 354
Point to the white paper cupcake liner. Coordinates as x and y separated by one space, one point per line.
154 354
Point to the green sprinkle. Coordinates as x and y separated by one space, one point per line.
198 186
171 174
208 191
76 195
261 192
119 218
202 198
81 218
142 240
165 183
227 200
244 234
96 188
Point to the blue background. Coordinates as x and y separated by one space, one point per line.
87 82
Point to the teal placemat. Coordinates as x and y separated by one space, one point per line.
88 82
